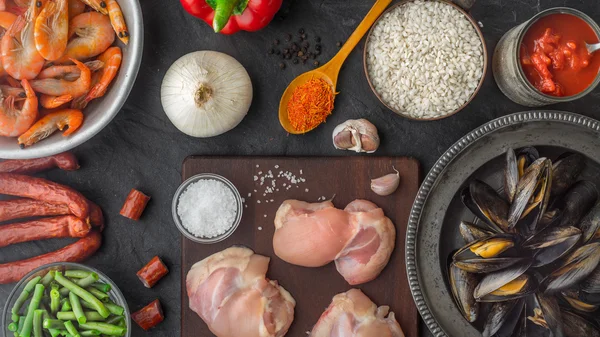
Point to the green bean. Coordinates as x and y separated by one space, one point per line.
54 332
99 294
77 273
65 333
77 310
83 294
29 287
85 333
54 301
107 329
49 277
114 309
37 323
33 305
103 287
71 329
66 305
70 316
13 327
53 324
21 324
115 320
83 282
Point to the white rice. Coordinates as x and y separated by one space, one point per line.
425 59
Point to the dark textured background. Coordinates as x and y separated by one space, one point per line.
141 148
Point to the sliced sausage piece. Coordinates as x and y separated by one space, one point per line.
96 216
65 226
152 272
134 204
25 208
149 316
44 190
76 252
64 161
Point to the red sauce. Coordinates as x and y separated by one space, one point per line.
554 57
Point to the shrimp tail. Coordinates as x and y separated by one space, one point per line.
68 120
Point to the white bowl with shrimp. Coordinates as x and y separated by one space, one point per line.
100 111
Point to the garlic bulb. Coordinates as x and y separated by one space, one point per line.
387 184
358 135
206 93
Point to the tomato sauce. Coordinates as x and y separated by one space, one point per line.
554 57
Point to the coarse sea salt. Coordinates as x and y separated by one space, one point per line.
207 208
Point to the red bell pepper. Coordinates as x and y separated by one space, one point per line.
231 16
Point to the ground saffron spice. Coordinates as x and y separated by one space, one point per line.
310 104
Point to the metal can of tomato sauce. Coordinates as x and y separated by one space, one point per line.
545 61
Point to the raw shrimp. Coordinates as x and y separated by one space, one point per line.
14 122
117 20
51 102
112 61
76 7
70 119
69 72
20 57
52 29
97 5
94 35
54 87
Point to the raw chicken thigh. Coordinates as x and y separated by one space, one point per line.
360 238
353 314
230 292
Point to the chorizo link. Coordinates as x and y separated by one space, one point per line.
44 190
76 252
25 208
96 216
66 226
64 161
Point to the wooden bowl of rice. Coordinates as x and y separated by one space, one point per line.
425 59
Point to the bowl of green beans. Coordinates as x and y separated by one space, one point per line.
66 300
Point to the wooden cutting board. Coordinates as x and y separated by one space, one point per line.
347 178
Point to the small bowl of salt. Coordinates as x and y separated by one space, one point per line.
207 208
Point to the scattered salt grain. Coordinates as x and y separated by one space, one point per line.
265 215
207 208
306 190
260 228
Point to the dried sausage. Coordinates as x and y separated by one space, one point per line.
25 208
149 316
134 204
76 252
65 226
152 272
96 216
64 161
44 190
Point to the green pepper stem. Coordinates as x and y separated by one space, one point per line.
223 11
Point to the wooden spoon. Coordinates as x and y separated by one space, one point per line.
330 71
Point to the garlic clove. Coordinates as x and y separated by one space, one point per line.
358 135
387 184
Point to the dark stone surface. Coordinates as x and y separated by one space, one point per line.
142 149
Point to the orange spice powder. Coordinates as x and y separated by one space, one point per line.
310 104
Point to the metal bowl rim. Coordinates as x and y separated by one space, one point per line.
207 176
440 166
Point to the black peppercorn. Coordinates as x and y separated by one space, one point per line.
295 61
288 56
271 51
316 63
295 47
277 51
301 31
288 37
281 65
339 44
303 37
304 50
276 42
286 51
303 61
318 39
306 44
318 47
318 52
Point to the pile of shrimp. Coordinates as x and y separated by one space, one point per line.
56 56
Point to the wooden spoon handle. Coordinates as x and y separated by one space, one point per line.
336 62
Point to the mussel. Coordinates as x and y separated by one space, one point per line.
471 232
511 175
551 244
486 255
577 301
487 205
577 326
578 201
499 286
576 268
591 284
590 225
526 156
546 313
565 172
462 285
500 315
549 218
533 191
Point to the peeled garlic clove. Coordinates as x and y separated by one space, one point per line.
387 184
358 135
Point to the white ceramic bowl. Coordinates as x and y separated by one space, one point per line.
101 111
